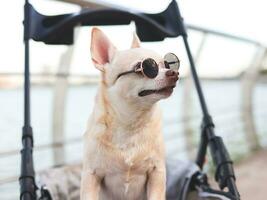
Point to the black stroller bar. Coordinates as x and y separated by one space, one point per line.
224 166
27 178
59 30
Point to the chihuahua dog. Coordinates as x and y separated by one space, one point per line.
123 150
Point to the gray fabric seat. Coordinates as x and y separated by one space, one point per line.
63 183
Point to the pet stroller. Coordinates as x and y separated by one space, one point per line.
185 180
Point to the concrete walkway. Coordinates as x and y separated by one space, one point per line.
252 176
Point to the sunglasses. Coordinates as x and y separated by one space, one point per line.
150 69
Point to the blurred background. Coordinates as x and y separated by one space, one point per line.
228 40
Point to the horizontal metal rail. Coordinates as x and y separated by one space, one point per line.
224 35
64 75
42 146
169 122
79 139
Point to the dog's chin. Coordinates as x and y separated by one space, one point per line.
162 92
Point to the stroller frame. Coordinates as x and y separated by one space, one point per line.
224 174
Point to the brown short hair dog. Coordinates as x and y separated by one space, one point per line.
124 151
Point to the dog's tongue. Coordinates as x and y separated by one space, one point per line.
145 92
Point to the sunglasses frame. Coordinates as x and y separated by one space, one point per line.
139 67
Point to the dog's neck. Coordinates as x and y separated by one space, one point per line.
132 117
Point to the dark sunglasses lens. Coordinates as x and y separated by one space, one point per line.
150 68
172 60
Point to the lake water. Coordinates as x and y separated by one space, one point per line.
223 99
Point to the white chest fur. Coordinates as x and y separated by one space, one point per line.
125 161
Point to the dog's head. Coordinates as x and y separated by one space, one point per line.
133 88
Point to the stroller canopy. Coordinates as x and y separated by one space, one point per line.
59 29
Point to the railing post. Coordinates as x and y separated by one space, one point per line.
248 82
59 105
59 102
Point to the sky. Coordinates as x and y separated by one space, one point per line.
220 57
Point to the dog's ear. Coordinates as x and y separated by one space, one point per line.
136 41
102 50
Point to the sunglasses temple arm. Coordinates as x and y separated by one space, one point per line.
138 69
124 73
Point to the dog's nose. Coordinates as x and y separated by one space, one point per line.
171 72
172 76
